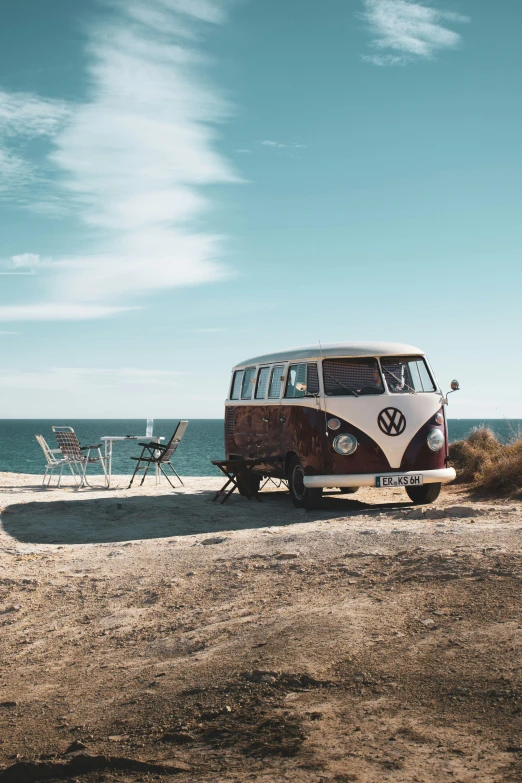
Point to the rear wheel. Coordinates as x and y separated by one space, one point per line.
428 493
302 496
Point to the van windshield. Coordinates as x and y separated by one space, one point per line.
355 377
407 375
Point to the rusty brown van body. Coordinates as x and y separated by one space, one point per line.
291 406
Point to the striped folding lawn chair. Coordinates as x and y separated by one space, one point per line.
53 462
74 454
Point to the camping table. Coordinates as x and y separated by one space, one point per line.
238 471
108 440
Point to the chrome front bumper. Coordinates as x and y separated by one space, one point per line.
443 475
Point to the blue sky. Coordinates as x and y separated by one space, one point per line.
185 183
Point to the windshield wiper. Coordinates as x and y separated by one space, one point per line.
346 388
401 383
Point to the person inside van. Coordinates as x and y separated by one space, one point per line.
355 376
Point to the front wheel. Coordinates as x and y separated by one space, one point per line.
428 493
302 497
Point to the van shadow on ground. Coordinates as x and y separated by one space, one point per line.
116 519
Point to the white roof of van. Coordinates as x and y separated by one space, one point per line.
337 350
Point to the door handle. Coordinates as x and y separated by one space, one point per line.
264 418
283 418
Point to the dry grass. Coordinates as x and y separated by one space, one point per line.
493 467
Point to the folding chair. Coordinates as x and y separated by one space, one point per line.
73 453
159 455
53 462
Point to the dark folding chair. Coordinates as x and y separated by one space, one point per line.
159 455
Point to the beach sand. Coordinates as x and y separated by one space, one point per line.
169 636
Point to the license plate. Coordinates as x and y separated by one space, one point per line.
414 480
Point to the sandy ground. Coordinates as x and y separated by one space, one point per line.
152 635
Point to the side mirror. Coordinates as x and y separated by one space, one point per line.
455 386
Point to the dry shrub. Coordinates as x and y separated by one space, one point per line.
504 475
471 456
492 466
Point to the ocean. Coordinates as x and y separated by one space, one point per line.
203 441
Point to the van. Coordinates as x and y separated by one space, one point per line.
341 416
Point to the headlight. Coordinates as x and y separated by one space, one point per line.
435 440
345 444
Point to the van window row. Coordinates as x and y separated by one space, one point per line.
342 377
301 379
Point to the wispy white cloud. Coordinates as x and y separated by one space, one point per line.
14 272
30 260
133 159
410 30
24 117
280 146
276 144
58 311
24 114
15 172
76 378
49 205
209 330
22 264
4 333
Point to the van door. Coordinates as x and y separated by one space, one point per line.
258 409
290 424
249 425
273 411
301 418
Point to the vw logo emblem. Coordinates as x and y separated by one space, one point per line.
391 421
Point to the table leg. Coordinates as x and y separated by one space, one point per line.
156 466
218 493
234 486
231 479
239 477
108 460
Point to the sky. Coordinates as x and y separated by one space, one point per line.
186 183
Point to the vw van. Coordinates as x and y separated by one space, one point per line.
341 416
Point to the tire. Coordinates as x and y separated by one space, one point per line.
348 490
251 486
301 496
428 493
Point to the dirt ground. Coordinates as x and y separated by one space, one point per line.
153 635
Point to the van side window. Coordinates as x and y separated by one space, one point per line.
248 381
275 382
296 382
236 384
312 379
262 383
